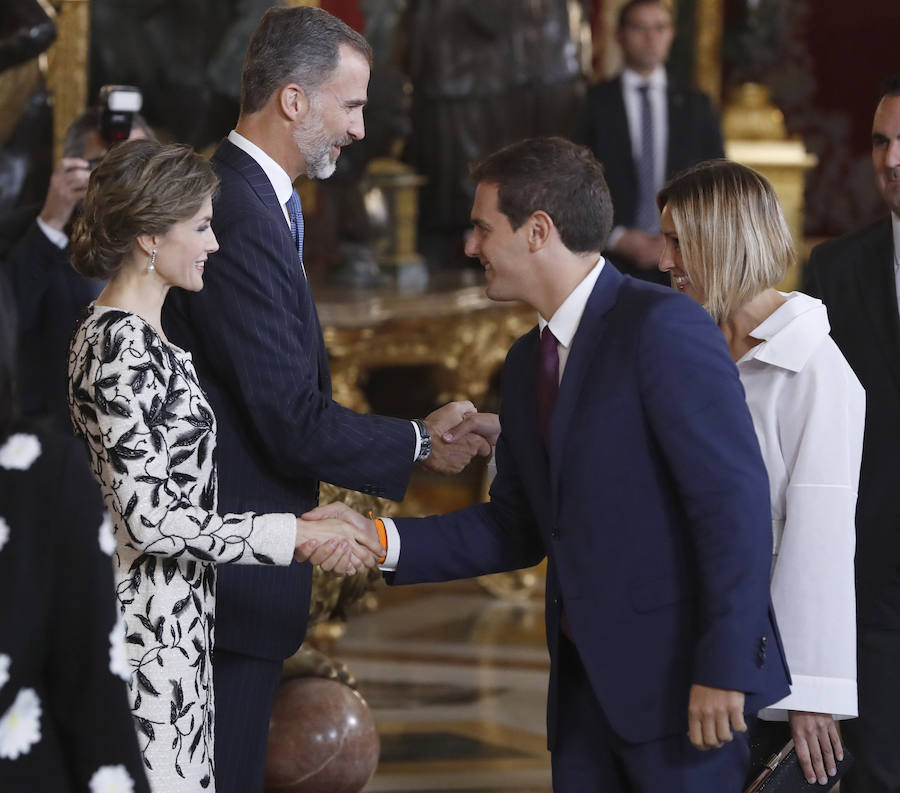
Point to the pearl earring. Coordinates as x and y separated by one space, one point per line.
152 266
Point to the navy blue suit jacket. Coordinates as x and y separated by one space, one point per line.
854 277
652 507
259 353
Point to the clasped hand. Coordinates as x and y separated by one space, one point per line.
336 545
459 433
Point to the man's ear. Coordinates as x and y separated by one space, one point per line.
540 227
293 102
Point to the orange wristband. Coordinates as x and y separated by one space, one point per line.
382 538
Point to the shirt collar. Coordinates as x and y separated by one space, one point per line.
564 322
631 80
895 222
791 333
281 182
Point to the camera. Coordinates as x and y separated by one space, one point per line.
118 104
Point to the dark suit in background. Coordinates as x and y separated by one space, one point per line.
693 136
651 504
854 277
259 353
57 620
48 295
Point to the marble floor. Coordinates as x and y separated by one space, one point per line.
456 679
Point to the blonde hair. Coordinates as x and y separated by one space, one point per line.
733 237
139 187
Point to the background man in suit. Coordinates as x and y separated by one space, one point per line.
259 352
644 130
644 487
857 278
49 294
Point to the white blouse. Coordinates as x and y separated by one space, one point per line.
808 410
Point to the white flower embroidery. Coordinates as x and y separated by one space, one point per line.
20 727
4 532
111 779
106 536
4 670
118 658
20 451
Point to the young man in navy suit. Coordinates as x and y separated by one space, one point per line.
628 459
259 352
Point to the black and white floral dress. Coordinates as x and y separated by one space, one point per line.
151 436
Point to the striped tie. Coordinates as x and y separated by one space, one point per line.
295 213
647 216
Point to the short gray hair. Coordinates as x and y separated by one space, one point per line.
297 45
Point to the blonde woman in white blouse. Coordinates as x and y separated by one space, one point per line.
727 246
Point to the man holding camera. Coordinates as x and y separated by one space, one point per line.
34 248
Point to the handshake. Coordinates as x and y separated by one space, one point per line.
342 541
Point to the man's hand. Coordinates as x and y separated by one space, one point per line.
642 248
817 744
487 425
451 458
337 545
68 184
712 713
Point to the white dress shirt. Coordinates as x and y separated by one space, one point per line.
808 410
563 325
659 106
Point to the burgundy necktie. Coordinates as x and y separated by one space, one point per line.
547 379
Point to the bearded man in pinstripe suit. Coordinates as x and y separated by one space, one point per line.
258 349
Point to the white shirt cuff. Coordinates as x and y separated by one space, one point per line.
57 237
418 441
392 557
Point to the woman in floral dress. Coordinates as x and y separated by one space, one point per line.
150 432
65 721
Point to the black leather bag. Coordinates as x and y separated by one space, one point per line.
782 773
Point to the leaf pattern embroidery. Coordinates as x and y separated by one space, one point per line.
150 434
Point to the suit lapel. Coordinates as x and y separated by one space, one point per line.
588 337
238 160
674 151
875 275
617 126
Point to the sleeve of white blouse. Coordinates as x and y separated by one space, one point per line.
820 414
151 438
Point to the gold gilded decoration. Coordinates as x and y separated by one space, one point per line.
398 184
750 115
68 67
708 47
458 329
784 163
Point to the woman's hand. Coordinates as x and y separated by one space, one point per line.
817 744
336 545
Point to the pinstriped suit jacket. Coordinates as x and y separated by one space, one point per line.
259 353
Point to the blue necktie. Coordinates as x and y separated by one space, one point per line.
295 213
647 216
